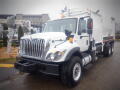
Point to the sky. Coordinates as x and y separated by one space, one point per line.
108 8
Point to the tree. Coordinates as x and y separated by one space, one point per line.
32 32
20 33
25 29
5 32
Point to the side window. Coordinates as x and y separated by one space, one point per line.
82 26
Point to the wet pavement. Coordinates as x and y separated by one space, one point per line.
7 73
103 75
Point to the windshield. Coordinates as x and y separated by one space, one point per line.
61 25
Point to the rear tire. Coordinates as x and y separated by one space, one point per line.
107 50
71 72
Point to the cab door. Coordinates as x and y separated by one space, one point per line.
83 36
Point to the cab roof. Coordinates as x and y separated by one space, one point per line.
79 15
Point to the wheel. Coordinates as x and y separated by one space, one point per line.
71 72
107 50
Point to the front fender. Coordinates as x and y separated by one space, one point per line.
70 50
73 51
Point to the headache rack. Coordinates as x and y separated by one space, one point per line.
77 12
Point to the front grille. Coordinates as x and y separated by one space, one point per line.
34 47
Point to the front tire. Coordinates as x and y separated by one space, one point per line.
71 72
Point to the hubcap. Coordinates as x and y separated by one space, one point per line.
76 72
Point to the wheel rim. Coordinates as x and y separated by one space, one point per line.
109 51
112 49
76 72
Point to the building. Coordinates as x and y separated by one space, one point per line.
32 21
36 20
25 23
1 29
3 18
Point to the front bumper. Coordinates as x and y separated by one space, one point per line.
31 65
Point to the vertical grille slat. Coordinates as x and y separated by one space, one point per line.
34 47
23 46
42 48
39 47
26 41
30 48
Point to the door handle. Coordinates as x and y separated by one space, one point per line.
83 36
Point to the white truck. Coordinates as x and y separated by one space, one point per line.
66 46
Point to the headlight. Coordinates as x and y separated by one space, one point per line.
55 56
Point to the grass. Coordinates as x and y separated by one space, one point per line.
7 60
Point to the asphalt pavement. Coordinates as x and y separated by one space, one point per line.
103 75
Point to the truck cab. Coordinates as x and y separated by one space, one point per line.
63 49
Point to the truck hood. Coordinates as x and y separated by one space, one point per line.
46 36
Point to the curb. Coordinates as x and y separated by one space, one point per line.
6 65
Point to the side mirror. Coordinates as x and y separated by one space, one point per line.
89 26
79 32
67 32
